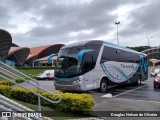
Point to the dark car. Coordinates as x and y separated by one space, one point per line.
156 81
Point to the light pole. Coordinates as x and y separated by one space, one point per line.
148 40
117 23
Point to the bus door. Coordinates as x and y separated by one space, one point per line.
143 67
88 71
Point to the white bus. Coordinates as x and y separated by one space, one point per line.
95 64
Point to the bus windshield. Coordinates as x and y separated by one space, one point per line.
67 64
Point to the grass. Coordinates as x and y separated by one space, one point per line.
46 111
31 71
2 78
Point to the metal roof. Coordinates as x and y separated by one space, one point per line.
18 54
5 44
44 51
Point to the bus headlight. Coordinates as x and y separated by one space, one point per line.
81 77
76 81
79 80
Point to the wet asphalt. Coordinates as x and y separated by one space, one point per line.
145 91
129 98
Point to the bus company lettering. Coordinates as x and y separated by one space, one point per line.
127 66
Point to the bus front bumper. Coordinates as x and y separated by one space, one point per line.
73 87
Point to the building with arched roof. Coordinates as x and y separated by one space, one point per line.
17 55
31 58
5 44
14 45
42 52
12 54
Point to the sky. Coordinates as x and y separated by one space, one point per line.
44 22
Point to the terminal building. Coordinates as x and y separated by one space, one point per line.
15 55
5 44
38 55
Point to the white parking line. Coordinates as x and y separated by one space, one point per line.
129 91
139 100
124 92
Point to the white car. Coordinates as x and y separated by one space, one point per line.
155 72
46 75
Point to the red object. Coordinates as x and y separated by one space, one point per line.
50 78
48 49
156 81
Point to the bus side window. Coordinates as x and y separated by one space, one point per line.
87 62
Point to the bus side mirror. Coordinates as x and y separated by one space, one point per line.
49 57
82 53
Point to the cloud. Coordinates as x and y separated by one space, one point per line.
64 21
145 19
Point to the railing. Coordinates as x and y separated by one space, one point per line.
5 106
10 73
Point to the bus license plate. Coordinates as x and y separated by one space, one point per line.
63 87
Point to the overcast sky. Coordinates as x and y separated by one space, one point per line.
43 22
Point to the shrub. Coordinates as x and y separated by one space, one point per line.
69 101
5 82
19 94
2 79
24 95
75 102
18 80
5 90
33 76
49 96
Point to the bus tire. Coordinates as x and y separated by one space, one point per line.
139 79
103 86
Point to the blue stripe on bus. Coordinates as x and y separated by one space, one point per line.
122 73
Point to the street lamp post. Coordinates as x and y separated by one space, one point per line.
117 23
148 40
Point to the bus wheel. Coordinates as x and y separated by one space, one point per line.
103 86
139 80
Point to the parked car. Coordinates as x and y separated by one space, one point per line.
46 75
156 81
155 72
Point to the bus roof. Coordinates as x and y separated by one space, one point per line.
82 43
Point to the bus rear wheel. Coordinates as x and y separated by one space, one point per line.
103 86
139 80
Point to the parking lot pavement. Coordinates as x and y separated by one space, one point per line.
129 98
145 91
47 85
